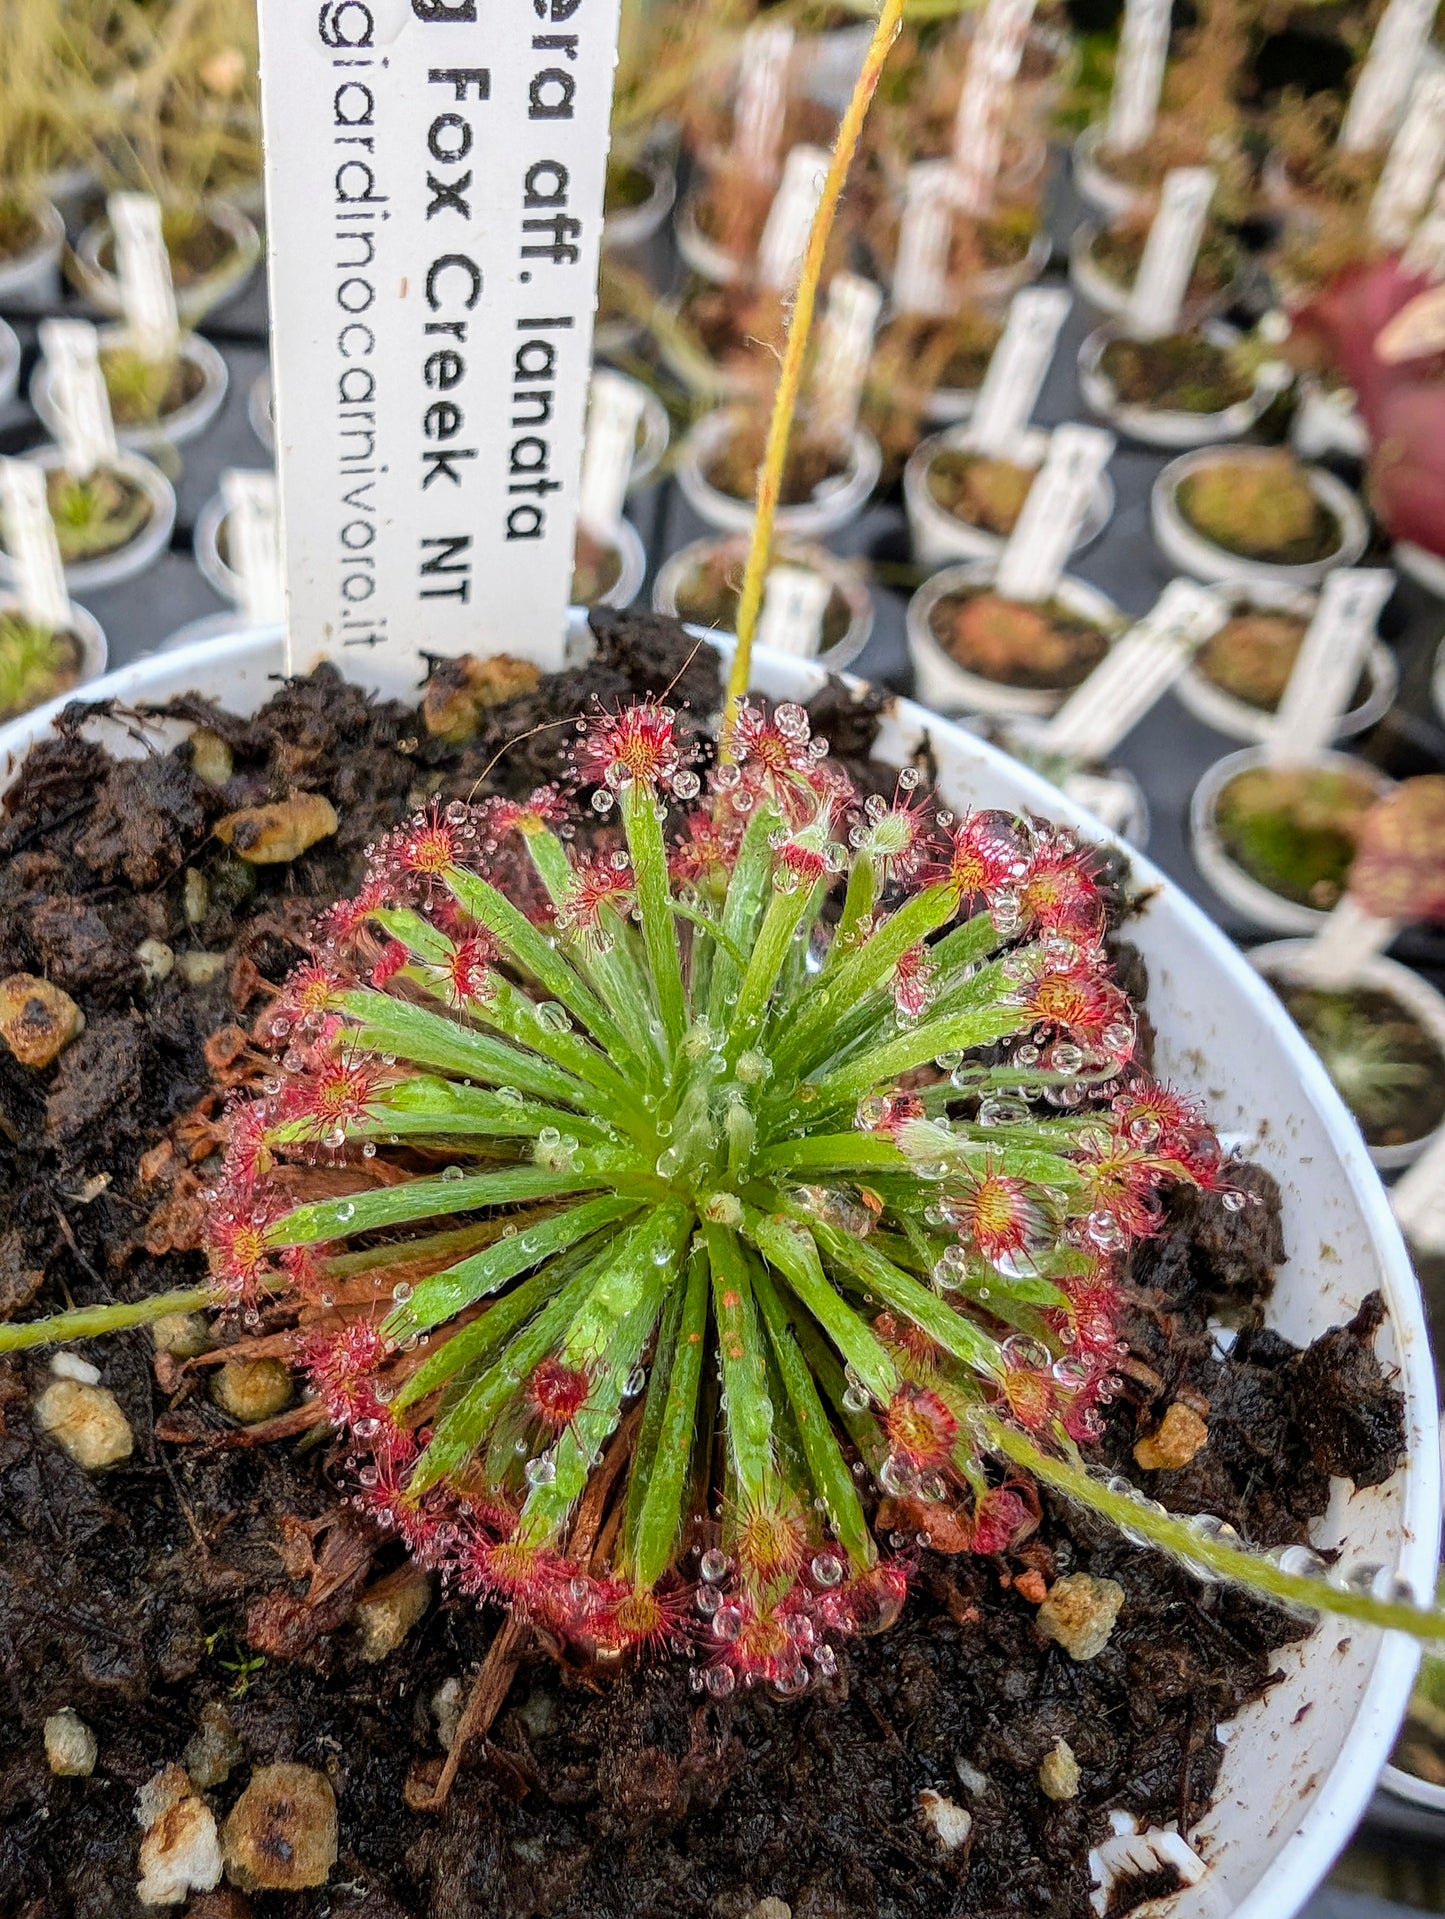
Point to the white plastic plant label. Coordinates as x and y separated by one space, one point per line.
845 346
1139 669
1139 76
614 409
1348 940
1167 265
1018 367
31 543
1418 1197
143 268
1327 669
1389 73
925 232
434 174
1417 154
790 218
794 602
86 431
762 100
1030 565
981 121
253 543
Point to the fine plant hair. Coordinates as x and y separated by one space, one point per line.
187 118
61 59
657 1213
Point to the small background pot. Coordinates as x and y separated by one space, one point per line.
9 364
843 500
217 572
32 278
100 285
653 440
703 256
152 540
1106 296
628 584
996 286
1254 902
1419 999
633 227
87 630
173 429
258 411
944 684
1172 426
1096 186
1300 1762
1191 552
939 537
1237 720
840 574
699 374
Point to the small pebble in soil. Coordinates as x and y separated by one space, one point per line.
1079 1614
281 1833
70 1745
253 1389
210 757
179 1850
1059 1772
952 1825
72 1366
446 1706
183 1335
37 1020
969 1776
388 1616
202 969
156 961
213 1749
1182 1433
771 1908
277 833
86 1422
195 896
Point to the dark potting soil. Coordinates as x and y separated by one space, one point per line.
208 1572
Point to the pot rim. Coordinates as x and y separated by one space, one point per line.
1099 189
841 574
1414 994
204 295
940 536
94 648
258 410
1284 1814
1237 888
9 363
109 569
1192 552
827 511
1169 426
635 226
171 429
1106 296
20 276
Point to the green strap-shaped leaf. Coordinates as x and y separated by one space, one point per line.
446 1294
826 1465
748 1421
782 916
747 890
857 1421
657 1491
413 1033
426 1199
959 1033
831 1152
654 905
426 1107
903 1293
793 1250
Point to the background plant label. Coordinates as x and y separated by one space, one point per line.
845 347
614 412
1349 939
794 603
1417 153
790 218
1327 669
143 268
1139 670
1143 50
86 431
1388 75
31 543
1030 565
978 132
1167 265
434 176
1418 1197
762 100
1017 367
920 274
253 543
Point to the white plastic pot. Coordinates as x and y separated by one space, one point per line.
652 443
1425 568
1255 902
840 499
842 575
996 286
100 284
632 227
939 536
1109 297
1279 960
1191 552
258 411
699 374
1237 720
1173 426
949 688
91 636
172 429
9 364
152 540
700 254
1300 1763
627 542
32 278
1099 189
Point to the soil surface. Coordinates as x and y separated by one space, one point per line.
208 1572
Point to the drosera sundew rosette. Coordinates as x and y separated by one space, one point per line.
668 1103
